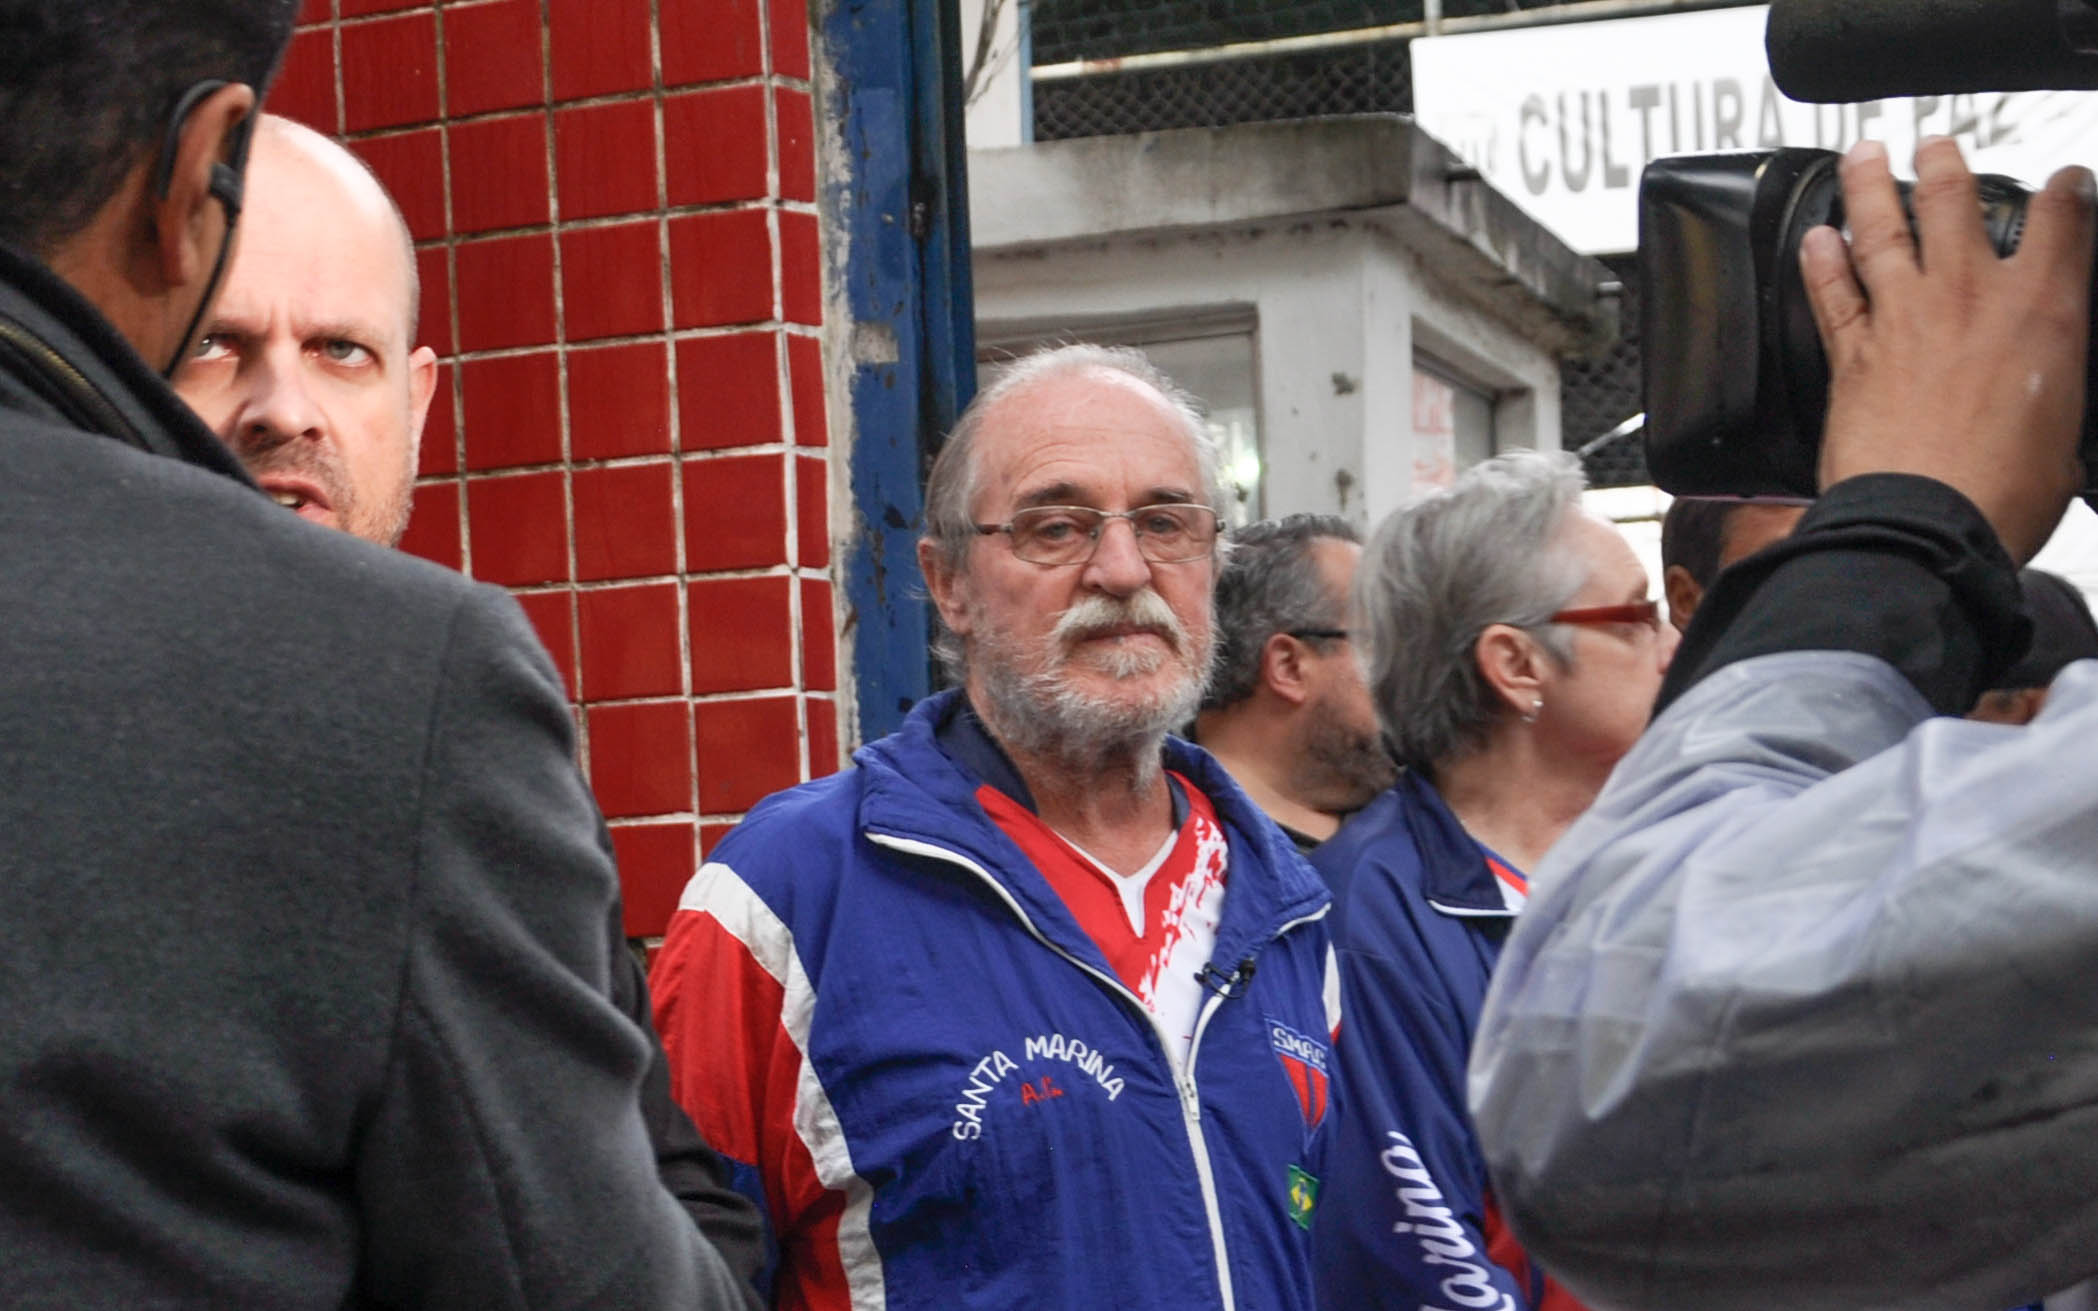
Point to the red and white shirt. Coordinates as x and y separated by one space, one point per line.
1156 926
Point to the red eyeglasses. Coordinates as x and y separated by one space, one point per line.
1634 612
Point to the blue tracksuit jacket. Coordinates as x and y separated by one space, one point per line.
870 998
1418 923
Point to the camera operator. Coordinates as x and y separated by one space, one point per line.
1804 1013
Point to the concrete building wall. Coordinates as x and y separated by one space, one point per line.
1338 244
614 207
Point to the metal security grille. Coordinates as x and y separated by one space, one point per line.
1106 29
1597 394
1349 80
1600 393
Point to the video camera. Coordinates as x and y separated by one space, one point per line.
1735 379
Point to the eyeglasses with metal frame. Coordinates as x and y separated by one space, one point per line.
1168 533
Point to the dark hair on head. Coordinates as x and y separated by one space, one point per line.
1693 534
2063 631
1269 585
86 88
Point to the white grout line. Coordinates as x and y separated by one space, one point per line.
773 205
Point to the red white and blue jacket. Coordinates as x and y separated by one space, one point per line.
948 1099
1420 912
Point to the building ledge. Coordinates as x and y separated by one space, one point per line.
1380 168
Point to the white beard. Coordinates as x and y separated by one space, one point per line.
1044 712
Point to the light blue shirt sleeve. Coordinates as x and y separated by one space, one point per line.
1804 1012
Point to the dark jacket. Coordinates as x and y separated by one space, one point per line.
310 928
1419 916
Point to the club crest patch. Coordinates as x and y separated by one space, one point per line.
1304 1061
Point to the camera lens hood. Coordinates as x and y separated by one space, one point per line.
1735 378
1720 411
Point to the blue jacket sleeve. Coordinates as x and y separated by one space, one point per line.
1402 1217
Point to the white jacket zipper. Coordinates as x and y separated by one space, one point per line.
1183 1076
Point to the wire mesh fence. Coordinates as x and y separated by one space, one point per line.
1597 394
1104 29
1601 392
1353 80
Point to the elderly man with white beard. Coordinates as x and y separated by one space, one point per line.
1032 1006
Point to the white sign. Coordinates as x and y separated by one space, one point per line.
1562 117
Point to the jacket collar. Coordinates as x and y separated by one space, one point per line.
916 791
1456 877
961 734
63 363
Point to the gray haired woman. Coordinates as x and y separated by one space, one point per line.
1514 656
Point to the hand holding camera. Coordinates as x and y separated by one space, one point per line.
1945 360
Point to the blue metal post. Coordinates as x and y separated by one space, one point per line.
903 216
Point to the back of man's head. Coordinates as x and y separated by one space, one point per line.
2063 630
1692 534
1702 535
1270 584
87 88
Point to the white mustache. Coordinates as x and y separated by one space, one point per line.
1095 613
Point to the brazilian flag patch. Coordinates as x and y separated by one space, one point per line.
1303 1196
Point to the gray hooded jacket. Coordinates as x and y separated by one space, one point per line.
1805 1012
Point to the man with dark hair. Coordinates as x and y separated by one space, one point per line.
2063 632
1286 713
311 923
89 88
1701 535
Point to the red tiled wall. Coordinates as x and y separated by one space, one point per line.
613 205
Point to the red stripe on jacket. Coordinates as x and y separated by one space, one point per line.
737 1072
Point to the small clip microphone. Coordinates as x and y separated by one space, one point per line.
1225 985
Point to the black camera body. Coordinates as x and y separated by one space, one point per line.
1735 379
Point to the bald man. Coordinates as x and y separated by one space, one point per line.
307 368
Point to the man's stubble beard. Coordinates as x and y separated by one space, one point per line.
382 518
1045 713
1341 767
390 518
